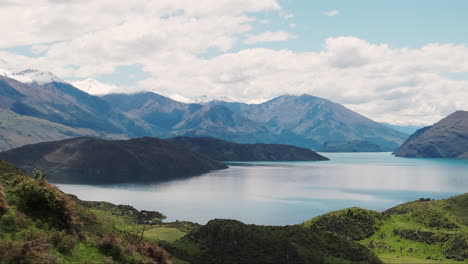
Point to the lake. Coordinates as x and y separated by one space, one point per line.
284 193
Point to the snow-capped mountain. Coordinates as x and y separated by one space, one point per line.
94 87
177 97
26 75
206 98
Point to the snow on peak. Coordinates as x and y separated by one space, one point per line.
94 87
26 75
206 99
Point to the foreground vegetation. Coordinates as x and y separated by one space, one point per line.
423 231
40 224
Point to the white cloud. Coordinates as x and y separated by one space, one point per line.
268 36
286 15
332 13
387 84
44 21
169 37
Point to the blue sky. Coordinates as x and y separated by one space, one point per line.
394 61
397 23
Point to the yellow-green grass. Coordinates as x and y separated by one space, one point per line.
150 232
405 250
395 259
168 234
85 254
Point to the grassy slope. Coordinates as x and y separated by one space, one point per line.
415 232
230 242
40 224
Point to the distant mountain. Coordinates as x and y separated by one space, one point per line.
220 122
26 75
62 103
18 130
93 86
408 129
350 146
179 119
448 138
97 161
152 108
311 121
228 151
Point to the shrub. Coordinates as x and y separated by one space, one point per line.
154 252
38 174
41 200
111 246
12 221
3 203
34 251
63 242
457 247
10 251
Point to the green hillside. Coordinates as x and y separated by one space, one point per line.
40 224
423 231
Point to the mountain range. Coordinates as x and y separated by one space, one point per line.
304 121
311 121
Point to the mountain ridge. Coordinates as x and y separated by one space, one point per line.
447 138
317 120
228 151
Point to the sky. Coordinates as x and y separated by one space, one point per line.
402 62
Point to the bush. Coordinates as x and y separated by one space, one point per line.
12 221
34 251
63 242
354 223
154 252
3 203
10 251
457 247
111 246
41 200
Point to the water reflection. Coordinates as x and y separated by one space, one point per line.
289 193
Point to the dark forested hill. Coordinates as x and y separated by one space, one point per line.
229 151
351 146
91 160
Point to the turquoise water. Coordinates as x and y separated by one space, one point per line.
282 193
